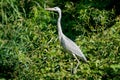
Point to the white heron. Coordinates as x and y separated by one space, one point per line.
67 44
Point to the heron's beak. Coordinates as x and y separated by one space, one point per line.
51 9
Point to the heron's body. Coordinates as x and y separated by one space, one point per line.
67 44
74 49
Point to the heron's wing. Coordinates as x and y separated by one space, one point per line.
70 46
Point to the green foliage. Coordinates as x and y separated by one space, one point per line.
29 46
95 20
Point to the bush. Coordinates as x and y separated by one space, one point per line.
29 46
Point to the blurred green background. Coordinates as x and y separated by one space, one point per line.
29 45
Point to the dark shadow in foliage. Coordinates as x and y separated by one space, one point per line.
8 63
110 73
114 4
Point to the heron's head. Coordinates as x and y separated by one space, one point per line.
54 9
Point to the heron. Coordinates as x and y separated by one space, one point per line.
67 43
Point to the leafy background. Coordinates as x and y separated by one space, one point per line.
29 46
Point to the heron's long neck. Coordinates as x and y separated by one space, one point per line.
59 25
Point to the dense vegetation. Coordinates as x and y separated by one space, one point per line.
29 46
